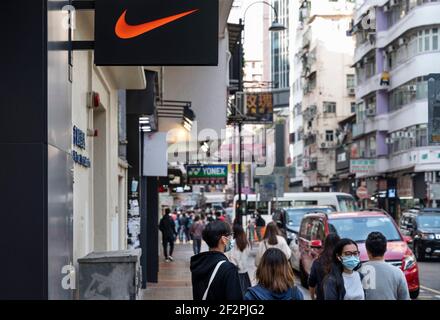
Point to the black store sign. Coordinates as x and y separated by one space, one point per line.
156 32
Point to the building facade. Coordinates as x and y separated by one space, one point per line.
396 50
325 54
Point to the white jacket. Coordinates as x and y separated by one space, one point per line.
282 245
240 258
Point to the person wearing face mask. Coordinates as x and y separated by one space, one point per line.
213 276
344 282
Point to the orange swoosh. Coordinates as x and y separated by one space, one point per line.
125 31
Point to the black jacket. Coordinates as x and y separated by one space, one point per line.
226 284
167 227
333 286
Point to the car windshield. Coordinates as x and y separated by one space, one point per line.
347 204
294 216
429 221
359 228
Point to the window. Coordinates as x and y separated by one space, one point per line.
329 135
427 40
435 39
329 107
350 81
353 107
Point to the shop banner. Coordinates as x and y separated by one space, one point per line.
211 174
156 32
363 166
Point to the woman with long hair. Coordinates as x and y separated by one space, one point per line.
275 279
240 255
272 239
321 267
344 282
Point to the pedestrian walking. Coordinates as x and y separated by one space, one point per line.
321 267
168 229
385 281
251 231
196 231
272 239
344 282
240 256
275 279
213 276
260 224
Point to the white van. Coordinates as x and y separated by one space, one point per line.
342 202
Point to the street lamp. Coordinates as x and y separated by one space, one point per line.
275 27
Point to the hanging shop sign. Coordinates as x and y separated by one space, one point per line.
211 174
79 142
258 107
405 187
363 166
156 32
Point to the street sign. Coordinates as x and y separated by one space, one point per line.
156 32
362 193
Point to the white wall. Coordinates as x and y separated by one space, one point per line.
102 229
205 87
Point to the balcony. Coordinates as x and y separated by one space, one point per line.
422 159
410 115
362 50
370 85
358 129
424 15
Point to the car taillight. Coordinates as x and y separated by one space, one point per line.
409 260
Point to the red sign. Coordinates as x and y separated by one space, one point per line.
362 193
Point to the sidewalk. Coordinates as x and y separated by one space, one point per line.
175 277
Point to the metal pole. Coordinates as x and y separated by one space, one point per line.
240 89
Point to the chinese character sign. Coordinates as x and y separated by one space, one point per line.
259 107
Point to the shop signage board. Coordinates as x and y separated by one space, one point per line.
156 32
405 187
209 174
363 166
258 107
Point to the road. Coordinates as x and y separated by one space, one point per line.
429 274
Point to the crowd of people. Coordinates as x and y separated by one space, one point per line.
222 272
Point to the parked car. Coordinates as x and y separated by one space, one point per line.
423 226
356 226
294 216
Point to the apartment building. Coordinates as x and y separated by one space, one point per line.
324 54
397 48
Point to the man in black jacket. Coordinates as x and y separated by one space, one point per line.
225 285
168 229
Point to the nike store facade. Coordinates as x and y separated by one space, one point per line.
63 173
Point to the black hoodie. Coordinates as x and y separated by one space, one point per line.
226 284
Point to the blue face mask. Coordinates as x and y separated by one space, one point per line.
350 262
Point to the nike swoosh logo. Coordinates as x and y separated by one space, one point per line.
125 31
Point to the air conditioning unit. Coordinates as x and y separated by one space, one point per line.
351 91
365 60
402 41
358 65
394 3
326 145
390 49
388 141
370 112
386 8
412 88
